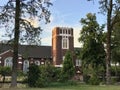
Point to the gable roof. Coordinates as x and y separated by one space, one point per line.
32 50
29 50
2 53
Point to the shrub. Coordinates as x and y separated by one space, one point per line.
68 69
115 71
42 81
114 80
5 71
72 83
55 74
33 75
42 76
94 80
48 74
20 73
86 78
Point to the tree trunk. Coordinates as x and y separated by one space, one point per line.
15 45
108 52
3 81
108 58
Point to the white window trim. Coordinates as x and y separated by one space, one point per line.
37 62
10 63
66 42
25 68
63 58
59 65
78 62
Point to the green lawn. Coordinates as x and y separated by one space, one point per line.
78 87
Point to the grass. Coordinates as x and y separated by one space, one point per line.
69 87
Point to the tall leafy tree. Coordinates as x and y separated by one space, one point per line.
111 9
115 46
116 43
68 69
17 16
91 36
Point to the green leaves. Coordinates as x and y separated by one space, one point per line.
115 46
92 53
31 13
68 69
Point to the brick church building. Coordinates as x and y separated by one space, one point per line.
62 40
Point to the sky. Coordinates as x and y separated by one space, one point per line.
68 13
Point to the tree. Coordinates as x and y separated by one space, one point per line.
20 13
92 53
115 46
68 69
116 43
111 8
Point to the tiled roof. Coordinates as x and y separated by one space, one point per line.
32 50
29 50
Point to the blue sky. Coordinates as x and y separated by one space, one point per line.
67 13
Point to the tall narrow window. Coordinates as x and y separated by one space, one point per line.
25 66
65 43
63 58
78 62
54 59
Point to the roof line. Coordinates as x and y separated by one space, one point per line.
9 51
6 51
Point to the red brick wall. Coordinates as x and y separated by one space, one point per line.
57 50
7 54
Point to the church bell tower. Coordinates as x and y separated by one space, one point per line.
62 40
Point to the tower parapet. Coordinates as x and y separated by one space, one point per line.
62 40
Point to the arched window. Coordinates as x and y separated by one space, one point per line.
8 62
37 62
25 65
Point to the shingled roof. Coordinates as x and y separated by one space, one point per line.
29 50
